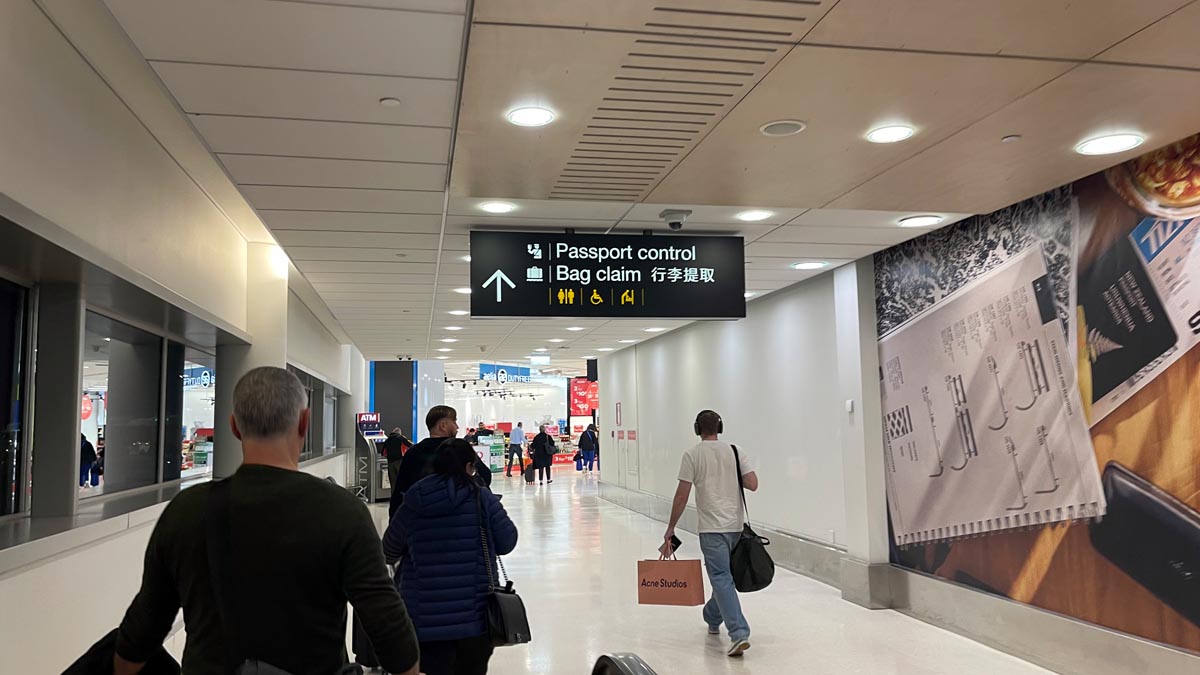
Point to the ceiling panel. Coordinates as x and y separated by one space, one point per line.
979 173
1073 30
938 94
312 36
333 140
343 199
541 209
367 255
294 94
750 231
808 234
305 172
352 222
364 239
701 214
805 251
1170 42
775 20
864 218
465 224
423 270
443 6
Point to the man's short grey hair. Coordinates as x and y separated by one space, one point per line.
267 402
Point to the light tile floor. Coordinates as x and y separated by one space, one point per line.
575 567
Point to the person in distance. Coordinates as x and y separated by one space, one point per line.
542 449
298 549
393 449
711 467
589 443
442 422
443 573
516 446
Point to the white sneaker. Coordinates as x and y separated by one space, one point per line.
738 648
714 630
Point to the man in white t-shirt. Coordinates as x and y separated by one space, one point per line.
712 467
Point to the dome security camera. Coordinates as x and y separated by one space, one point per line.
675 218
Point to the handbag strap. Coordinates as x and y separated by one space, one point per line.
487 557
220 568
741 484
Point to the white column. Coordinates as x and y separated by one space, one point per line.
864 568
266 322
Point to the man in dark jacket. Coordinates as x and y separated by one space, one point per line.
300 549
393 449
87 458
589 443
442 422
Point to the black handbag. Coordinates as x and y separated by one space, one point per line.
508 623
751 565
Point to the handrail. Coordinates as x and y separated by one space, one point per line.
622 664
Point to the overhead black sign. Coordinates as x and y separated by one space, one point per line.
606 276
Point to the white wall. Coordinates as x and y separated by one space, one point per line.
337 467
74 153
312 348
774 379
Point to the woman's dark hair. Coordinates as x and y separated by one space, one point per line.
452 459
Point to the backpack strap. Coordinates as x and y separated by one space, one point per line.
741 484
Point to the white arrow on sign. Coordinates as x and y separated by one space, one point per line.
499 278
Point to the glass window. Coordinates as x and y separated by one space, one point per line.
196 425
308 451
122 376
13 470
329 416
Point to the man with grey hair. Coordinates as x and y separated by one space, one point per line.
290 550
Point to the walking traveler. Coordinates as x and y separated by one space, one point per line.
393 449
711 467
589 443
542 450
437 537
442 423
87 458
516 449
264 562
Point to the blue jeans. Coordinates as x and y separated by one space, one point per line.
589 458
85 472
724 606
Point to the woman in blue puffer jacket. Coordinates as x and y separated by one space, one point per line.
435 538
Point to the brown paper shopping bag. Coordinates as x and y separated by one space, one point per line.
670 582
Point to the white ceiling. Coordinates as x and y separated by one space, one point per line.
658 107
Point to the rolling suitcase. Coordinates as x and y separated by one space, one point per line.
529 474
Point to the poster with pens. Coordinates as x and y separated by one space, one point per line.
984 429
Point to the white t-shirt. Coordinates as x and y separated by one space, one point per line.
711 468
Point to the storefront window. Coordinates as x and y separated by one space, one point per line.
329 415
198 423
307 452
122 376
13 300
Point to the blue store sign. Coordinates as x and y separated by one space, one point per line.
198 377
503 374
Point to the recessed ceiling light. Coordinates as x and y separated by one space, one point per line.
466 258
575 329
453 327
1011 138
531 117
782 128
748 294
401 255
1107 145
589 358
556 340
464 291
605 349
448 340
389 102
655 330
627 342
541 349
753 216
445 349
108 339
498 207
443 358
892 133
810 265
458 312
920 221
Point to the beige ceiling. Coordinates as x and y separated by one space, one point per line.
658 106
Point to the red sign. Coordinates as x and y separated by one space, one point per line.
585 397
564 458
368 417
632 435
552 429
620 435
85 409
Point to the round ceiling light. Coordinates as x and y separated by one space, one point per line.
443 358
556 340
1107 145
498 207
655 330
627 342
754 215
458 312
531 117
541 349
893 133
809 265
466 258
748 294
575 329
448 340
453 327
445 349
464 291
782 128
389 102
920 221
605 349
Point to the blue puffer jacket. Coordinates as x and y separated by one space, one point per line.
442 575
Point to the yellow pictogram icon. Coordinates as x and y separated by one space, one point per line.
596 299
566 296
627 298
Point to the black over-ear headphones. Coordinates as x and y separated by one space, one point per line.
720 422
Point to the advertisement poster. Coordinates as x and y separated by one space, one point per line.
584 397
1121 258
983 425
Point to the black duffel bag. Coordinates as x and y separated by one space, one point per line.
749 562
